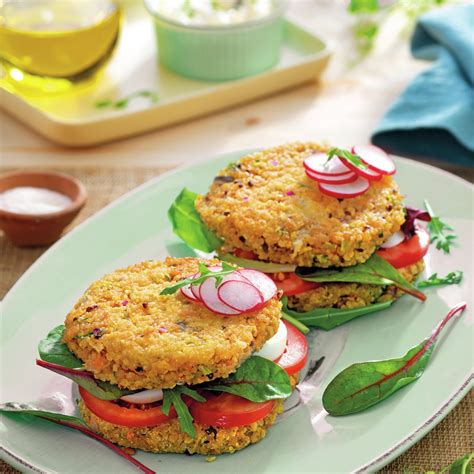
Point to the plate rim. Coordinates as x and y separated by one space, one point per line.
376 463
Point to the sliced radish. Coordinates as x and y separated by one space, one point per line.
318 163
328 179
262 282
188 289
394 240
195 288
344 191
240 295
275 346
210 298
368 173
375 158
145 396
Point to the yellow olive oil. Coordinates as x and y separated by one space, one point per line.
57 40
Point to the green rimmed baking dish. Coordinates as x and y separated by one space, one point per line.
220 53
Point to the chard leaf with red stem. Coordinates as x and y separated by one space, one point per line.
412 214
364 384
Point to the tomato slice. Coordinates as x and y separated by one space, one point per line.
296 352
133 417
227 410
407 252
248 254
291 284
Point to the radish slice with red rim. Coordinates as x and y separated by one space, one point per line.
210 298
240 295
328 179
368 173
393 240
375 158
344 191
318 163
195 288
262 282
188 289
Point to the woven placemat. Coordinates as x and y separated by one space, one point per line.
452 438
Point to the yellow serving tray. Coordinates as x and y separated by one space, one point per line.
74 119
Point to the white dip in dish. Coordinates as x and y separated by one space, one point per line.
213 12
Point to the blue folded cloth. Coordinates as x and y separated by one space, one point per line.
434 117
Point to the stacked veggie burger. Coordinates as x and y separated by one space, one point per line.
184 355
327 225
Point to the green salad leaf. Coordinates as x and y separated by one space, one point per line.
173 397
375 271
257 379
188 225
329 318
440 232
452 278
462 465
266 267
364 384
204 274
363 6
53 349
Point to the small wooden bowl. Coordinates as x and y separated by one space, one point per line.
33 230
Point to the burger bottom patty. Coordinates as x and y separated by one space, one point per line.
168 437
351 295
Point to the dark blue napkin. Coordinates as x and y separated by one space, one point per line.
434 117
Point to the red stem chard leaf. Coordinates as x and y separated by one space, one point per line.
257 380
188 225
329 318
53 349
31 409
412 214
364 384
375 271
98 388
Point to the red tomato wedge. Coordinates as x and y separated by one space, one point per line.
291 284
296 352
409 251
133 417
226 410
248 254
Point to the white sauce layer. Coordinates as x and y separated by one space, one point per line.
213 12
30 200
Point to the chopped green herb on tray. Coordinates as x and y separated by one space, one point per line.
452 278
440 232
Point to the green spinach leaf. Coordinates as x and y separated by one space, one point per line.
364 384
257 379
188 225
329 318
53 349
375 271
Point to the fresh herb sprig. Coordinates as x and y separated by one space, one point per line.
124 101
452 278
204 274
173 397
439 231
346 155
362 385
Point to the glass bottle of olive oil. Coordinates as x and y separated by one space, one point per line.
66 40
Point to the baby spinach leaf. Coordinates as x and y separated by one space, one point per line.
439 231
98 388
452 278
32 409
188 225
257 379
173 397
364 384
329 318
266 267
462 465
53 349
204 274
375 271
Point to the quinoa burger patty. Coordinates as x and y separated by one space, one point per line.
265 203
128 334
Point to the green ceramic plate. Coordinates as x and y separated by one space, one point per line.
306 439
